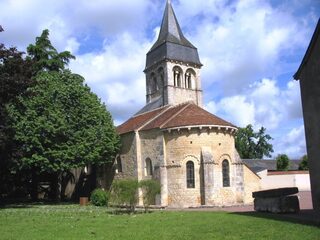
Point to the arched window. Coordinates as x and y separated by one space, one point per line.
225 173
148 167
119 164
189 78
190 174
177 75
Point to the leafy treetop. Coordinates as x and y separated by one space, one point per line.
283 162
304 163
253 145
45 56
62 126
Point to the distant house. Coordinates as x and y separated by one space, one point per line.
271 178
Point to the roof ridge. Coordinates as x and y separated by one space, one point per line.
152 119
152 110
174 115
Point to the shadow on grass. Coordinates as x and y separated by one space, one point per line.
305 217
29 204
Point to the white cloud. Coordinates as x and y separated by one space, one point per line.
292 143
116 74
264 104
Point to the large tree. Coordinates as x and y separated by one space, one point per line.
62 126
55 121
253 145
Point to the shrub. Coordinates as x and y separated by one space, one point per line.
304 163
124 192
150 189
283 162
99 197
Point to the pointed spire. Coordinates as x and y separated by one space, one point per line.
171 43
170 29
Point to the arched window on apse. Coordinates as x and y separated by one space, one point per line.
190 174
225 173
148 167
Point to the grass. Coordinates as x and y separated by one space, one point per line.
74 222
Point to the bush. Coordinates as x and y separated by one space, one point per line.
124 192
283 162
150 189
99 197
304 163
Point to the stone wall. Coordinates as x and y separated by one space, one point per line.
185 145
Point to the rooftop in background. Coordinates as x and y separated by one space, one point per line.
257 165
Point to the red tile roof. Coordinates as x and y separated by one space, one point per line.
194 115
186 114
136 122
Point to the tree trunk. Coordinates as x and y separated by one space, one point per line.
34 185
56 187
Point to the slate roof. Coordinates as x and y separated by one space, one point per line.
314 39
183 115
171 43
257 165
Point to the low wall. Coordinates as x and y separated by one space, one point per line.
281 179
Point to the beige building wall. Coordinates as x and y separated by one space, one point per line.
252 183
184 145
270 181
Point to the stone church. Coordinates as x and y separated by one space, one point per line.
172 139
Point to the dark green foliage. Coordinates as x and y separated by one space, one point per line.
283 162
63 125
15 78
45 56
150 189
99 197
304 163
124 192
253 145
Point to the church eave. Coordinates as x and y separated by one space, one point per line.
192 64
231 129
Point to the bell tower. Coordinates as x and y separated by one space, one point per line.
172 67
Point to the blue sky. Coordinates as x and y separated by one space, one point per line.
250 50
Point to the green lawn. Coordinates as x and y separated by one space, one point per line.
74 222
